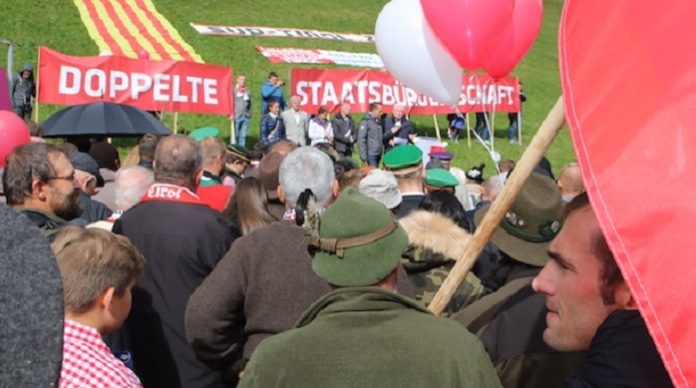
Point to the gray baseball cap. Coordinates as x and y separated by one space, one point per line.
84 162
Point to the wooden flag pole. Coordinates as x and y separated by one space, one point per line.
437 129
519 126
176 123
468 130
532 155
233 134
38 85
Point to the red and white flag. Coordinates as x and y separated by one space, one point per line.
629 83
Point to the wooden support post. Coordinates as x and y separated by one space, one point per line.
437 128
468 130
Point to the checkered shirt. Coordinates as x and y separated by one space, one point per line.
88 362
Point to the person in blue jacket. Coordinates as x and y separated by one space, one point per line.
272 127
272 90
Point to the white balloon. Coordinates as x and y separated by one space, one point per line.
412 53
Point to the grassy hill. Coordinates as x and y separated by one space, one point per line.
56 24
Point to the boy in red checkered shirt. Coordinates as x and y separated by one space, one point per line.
98 270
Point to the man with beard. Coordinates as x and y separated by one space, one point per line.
39 182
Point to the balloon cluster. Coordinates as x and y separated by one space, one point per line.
427 44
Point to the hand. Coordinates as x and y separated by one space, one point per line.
391 143
280 83
395 129
412 136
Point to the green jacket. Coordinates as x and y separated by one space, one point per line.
48 223
368 337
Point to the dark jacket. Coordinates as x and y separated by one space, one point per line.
23 88
92 211
181 243
260 288
272 129
370 137
368 337
404 131
345 134
510 322
408 204
622 354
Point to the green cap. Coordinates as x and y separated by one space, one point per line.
403 157
439 177
201 133
359 241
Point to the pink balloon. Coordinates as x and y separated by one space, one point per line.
517 38
469 29
14 132
142 54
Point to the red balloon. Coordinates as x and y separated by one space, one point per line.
14 132
469 29
142 54
517 38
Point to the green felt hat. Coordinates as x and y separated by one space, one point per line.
359 242
439 177
240 152
201 133
403 157
530 224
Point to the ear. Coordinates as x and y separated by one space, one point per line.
624 298
199 175
38 189
281 193
335 189
106 298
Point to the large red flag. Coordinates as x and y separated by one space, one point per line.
629 84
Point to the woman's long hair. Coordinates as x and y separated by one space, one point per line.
249 206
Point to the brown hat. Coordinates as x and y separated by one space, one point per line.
531 223
268 173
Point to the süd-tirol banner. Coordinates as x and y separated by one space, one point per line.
151 85
315 56
359 88
280 33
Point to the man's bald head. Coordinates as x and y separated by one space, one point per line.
213 151
178 161
570 180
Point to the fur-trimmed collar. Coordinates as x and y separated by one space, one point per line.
435 232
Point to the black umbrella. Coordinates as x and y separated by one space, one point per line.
102 119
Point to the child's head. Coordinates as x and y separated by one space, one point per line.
98 270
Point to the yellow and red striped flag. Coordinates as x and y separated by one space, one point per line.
129 27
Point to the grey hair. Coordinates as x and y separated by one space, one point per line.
130 185
307 168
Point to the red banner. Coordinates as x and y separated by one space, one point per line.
319 87
151 85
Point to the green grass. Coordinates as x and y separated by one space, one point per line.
56 23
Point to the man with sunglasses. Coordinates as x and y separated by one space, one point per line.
39 182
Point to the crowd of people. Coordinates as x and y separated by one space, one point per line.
196 263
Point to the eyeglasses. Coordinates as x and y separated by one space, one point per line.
68 178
